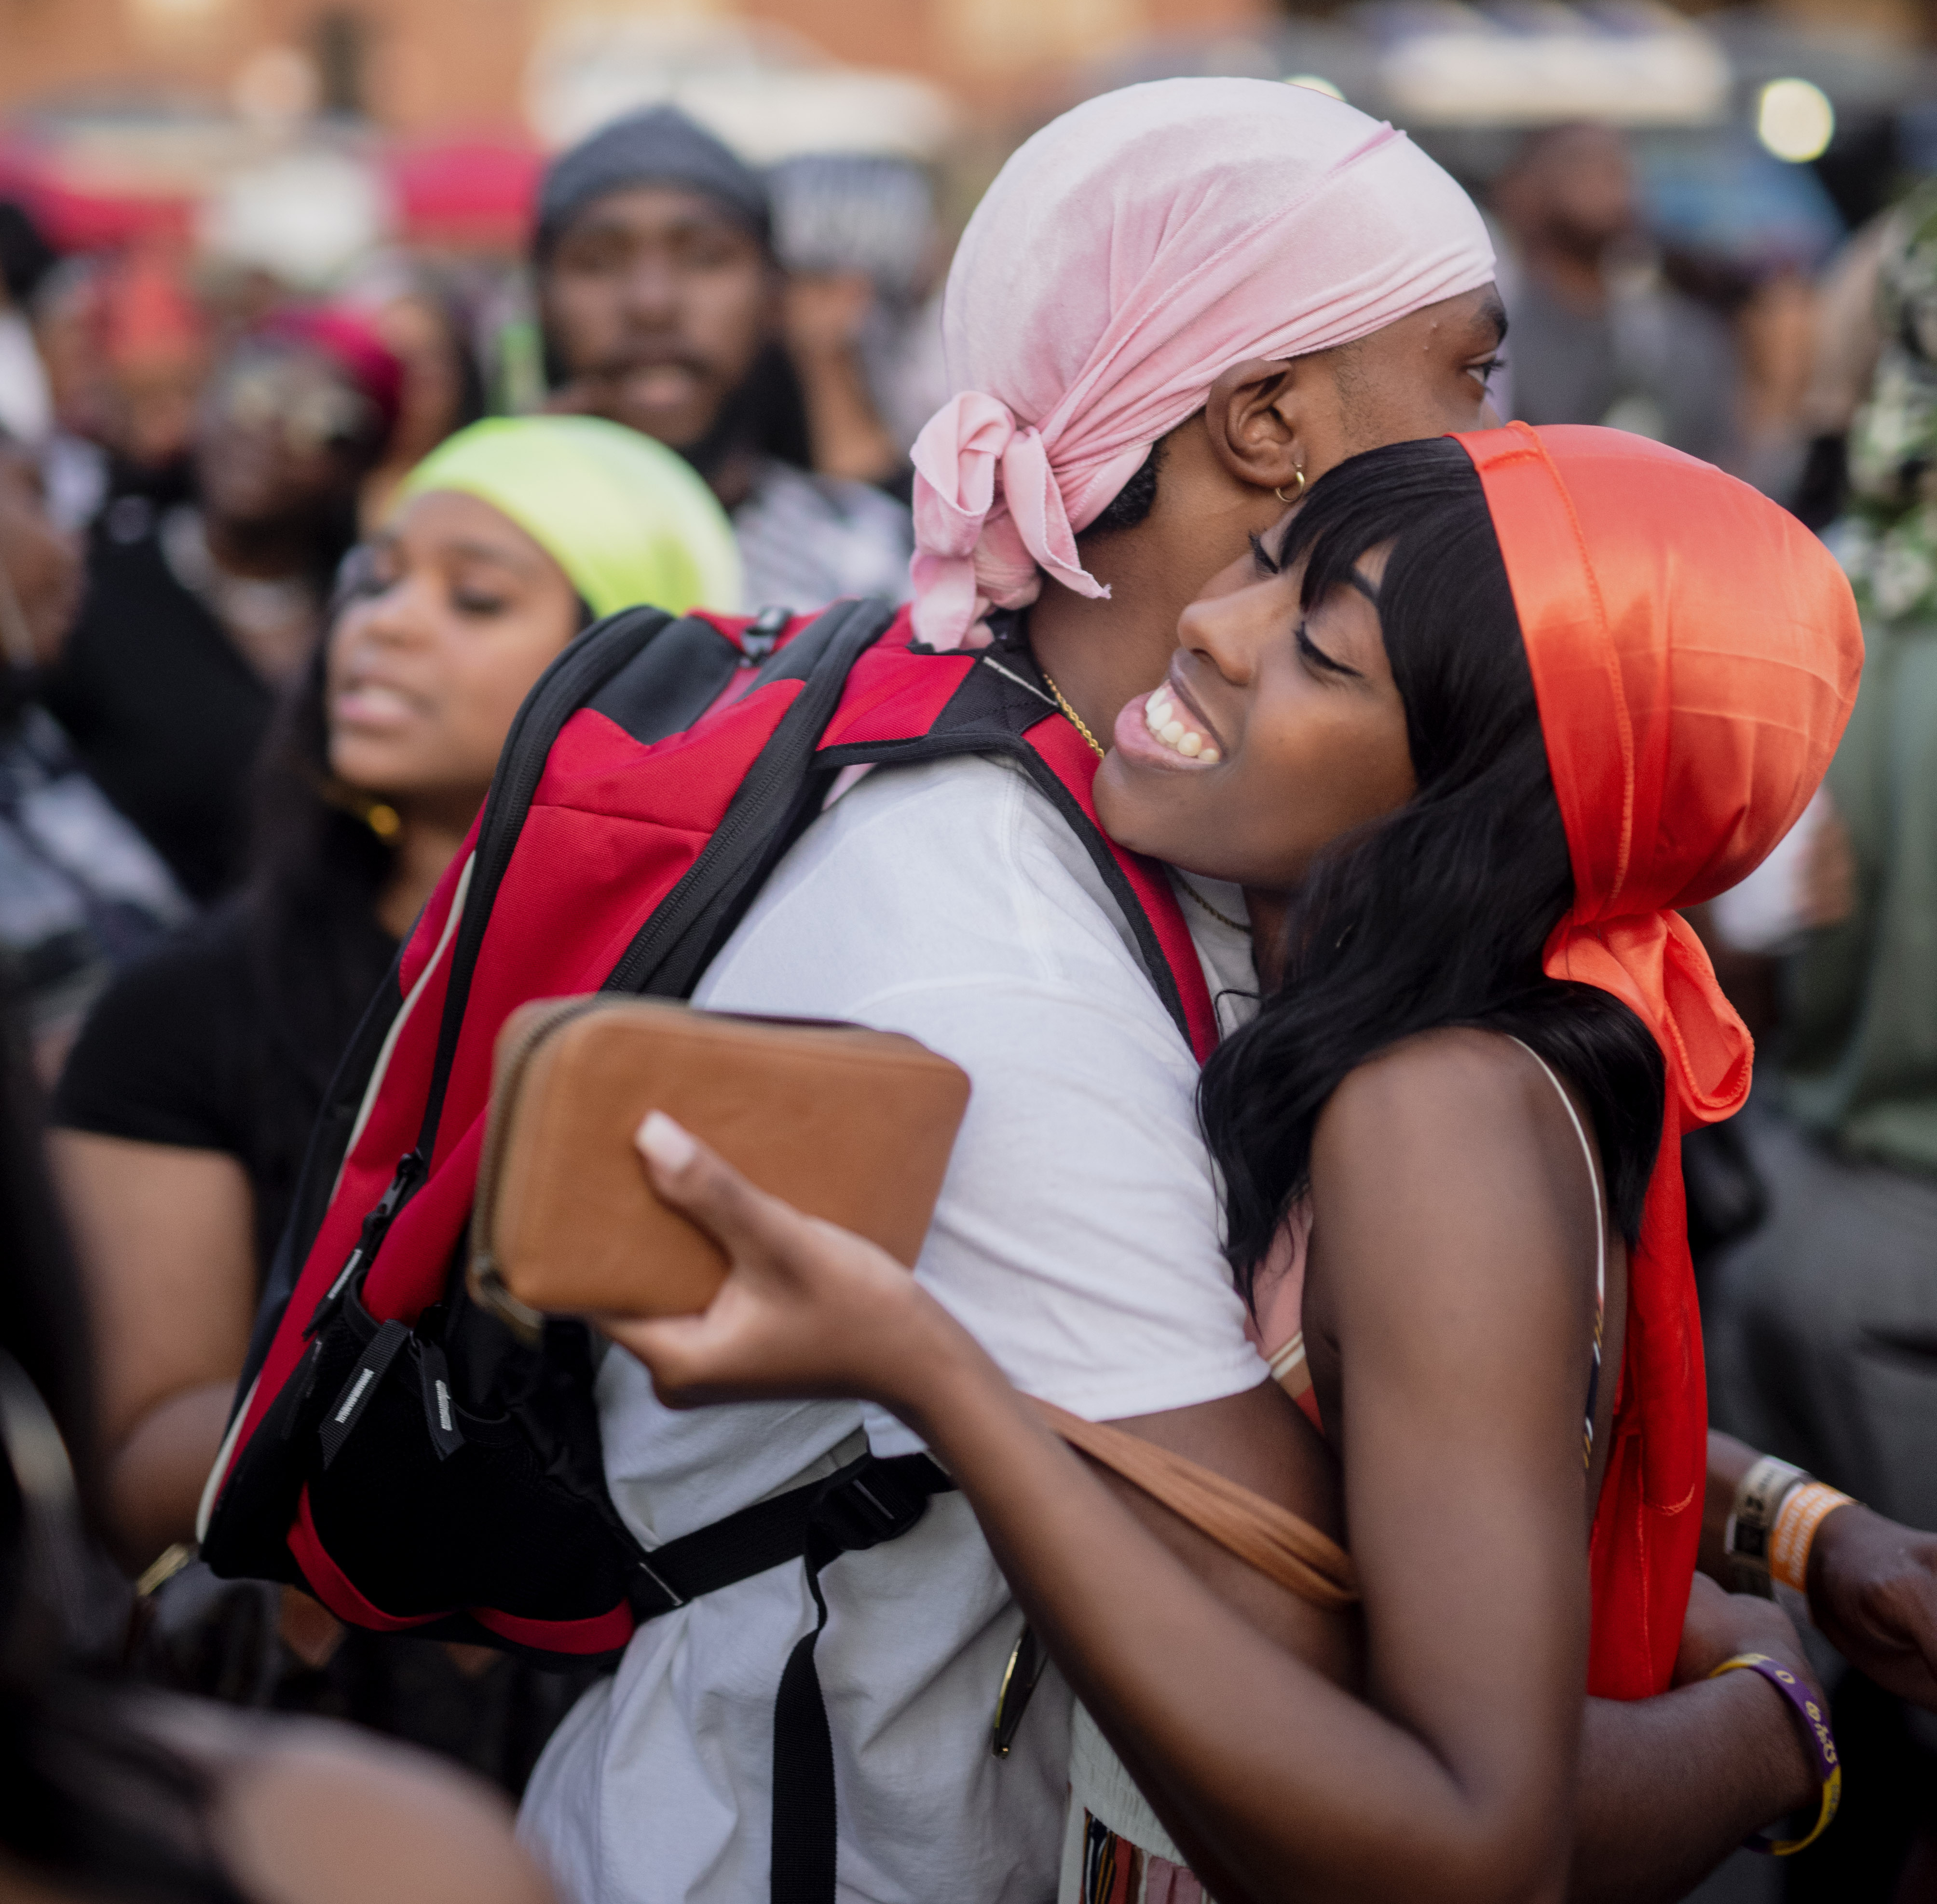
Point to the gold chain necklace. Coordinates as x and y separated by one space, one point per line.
1223 918
1075 720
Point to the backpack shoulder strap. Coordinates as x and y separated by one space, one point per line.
779 795
905 704
1060 762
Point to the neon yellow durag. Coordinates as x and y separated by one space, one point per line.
627 519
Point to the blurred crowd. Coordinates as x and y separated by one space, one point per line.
193 466
246 720
249 714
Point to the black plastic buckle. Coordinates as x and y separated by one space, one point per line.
759 637
376 1226
651 1594
871 1502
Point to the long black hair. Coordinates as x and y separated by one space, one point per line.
315 952
1435 914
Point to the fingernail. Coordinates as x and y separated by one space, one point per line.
669 1145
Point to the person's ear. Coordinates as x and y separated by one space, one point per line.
1257 416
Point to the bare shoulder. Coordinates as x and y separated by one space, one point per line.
325 1816
1450 1158
1457 1085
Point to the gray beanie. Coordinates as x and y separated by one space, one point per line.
658 146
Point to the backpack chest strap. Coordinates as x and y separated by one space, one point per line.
870 1500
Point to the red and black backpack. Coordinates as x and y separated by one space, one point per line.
398 1450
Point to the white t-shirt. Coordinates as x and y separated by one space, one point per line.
1076 1236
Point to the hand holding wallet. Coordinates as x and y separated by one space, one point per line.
852 1125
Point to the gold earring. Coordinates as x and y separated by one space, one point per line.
1288 500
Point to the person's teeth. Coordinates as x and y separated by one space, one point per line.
1161 718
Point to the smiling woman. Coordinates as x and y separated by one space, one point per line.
1302 700
187 1105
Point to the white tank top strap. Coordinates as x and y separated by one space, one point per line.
1600 1235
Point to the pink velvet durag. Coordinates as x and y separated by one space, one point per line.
1128 254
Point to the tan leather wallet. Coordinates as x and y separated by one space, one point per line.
850 1124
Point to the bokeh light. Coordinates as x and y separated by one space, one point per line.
1795 119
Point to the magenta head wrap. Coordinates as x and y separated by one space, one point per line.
1125 258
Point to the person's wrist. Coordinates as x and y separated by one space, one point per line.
1845 1528
1797 1780
1806 1511
1758 1496
918 1351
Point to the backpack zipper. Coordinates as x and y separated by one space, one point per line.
583 667
572 679
409 1173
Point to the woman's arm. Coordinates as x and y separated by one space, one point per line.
166 1245
1670 1786
1457 1780
810 1309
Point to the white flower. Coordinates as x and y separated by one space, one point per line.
1901 573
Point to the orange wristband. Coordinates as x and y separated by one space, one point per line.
1795 1531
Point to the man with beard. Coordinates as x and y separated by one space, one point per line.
660 294
1598 336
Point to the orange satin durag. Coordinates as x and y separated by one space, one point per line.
1695 653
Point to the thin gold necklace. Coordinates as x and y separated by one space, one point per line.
1223 918
1075 720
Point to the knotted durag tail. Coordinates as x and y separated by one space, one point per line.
1695 653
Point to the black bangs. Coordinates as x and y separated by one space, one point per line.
1342 520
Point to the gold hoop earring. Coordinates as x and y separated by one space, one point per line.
1288 500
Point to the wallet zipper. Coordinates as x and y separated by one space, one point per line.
486 1281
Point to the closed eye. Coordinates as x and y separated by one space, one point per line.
1259 556
474 602
1317 658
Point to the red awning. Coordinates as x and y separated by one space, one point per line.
77 218
470 194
